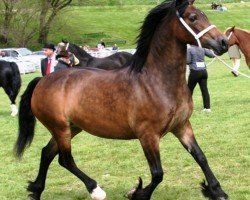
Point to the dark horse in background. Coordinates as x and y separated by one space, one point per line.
114 61
10 81
242 39
143 101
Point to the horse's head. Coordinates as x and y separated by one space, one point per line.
230 33
196 29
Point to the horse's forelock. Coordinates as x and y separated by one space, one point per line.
182 7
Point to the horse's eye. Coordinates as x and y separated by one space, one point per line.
193 17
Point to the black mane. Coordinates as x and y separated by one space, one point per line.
147 31
73 48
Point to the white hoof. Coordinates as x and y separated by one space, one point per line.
98 194
14 110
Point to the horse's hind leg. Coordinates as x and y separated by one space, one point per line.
66 160
48 154
150 147
12 96
213 189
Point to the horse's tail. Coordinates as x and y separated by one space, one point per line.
26 119
16 78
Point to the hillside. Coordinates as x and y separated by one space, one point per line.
122 22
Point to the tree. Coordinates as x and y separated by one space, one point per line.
49 10
25 23
7 18
19 22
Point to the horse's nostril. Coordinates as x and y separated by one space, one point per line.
224 44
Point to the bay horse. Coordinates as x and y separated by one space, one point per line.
10 81
114 61
242 39
143 101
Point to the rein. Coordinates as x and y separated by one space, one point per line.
196 36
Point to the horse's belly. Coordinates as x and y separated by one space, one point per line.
110 131
105 127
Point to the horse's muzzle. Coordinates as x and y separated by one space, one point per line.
219 46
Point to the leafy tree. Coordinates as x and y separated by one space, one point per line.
18 22
8 13
49 10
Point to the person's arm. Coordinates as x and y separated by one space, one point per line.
189 57
43 66
209 53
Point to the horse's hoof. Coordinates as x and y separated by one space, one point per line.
129 194
222 198
98 194
13 114
31 197
14 110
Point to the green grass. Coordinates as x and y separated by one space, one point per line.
116 165
123 22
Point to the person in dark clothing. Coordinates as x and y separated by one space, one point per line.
103 43
48 63
198 72
63 60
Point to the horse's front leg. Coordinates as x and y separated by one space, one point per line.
150 145
213 189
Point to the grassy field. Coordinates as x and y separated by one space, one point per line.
123 22
116 165
223 134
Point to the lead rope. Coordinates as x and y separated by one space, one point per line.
245 75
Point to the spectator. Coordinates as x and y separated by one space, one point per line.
198 72
48 63
234 54
115 47
103 43
59 47
86 48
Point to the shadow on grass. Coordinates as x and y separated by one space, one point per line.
4 113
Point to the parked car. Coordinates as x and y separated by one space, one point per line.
23 66
24 54
40 53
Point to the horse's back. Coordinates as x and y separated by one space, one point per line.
114 61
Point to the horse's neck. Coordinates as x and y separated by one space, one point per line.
80 53
244 43
168 61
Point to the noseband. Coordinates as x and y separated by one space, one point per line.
67 46
196 36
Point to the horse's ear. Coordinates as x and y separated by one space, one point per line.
180 2
233 28
64 41
191 2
